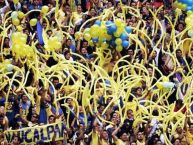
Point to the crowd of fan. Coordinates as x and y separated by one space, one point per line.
23 112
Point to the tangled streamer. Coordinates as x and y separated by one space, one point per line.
124 77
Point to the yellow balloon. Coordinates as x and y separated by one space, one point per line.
33 22
77 35
20 14
189 13
30 51
159 85
165 79
45 9
58 45
191 17
15 1
119 48
104 45
102 31
178 11
16 49
118 33
15 22
47 47
94 33
103 27
91 43
118 41
87 30
175 4
14 37
188 21
19 28
108 37
22 40
95 27
87 36
94 30
23 35
24 51
182 6
118 22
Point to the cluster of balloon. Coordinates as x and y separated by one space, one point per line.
19 39
19 47
52 44
107 34
186 5
18 15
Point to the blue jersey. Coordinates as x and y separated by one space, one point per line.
11 108
2 101
25 108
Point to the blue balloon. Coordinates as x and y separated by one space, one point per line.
189 8
109 32
124 36
111 29
98 22
182 1
95 40
189 2
125 44
128 29
109 22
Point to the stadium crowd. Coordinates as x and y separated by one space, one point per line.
97 124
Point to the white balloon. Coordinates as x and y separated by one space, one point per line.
190 33
14 15
168 85
9 67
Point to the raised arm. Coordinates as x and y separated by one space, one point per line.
115 133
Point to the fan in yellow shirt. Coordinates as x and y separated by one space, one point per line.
124 138
189 134
77 16
104 138
140 138
4 122
95 133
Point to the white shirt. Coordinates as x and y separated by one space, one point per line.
3 9
17 6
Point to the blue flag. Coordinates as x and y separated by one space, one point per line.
39 33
